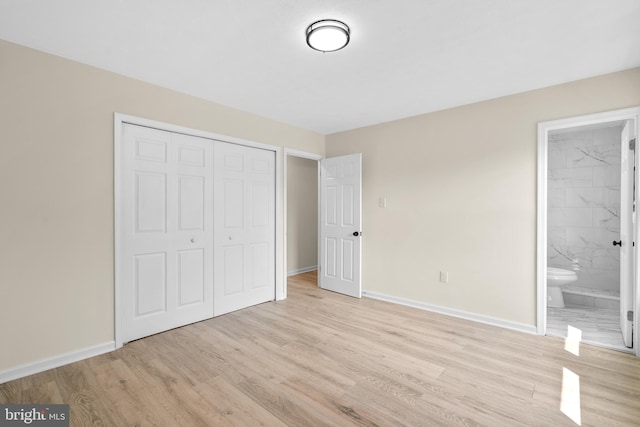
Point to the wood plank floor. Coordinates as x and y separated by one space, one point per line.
320 358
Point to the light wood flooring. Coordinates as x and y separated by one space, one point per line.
320 358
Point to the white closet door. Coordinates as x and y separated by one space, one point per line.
166 256
244 227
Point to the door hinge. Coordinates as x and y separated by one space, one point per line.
632 144
630 316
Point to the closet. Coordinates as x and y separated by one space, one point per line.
195 229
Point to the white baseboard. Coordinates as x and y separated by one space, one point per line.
55 362
302 270
520 327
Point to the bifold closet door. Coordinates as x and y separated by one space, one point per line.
166 231
244 227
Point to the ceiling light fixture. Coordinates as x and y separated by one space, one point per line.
328 35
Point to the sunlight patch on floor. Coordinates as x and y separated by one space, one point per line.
570 397
572 341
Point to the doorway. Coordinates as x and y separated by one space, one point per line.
586 228
339 219
302 215
301 200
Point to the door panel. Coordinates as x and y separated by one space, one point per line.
330 207
340 218
260 206
190 278
233 205
191 156
244 227
348 263
260 265
329 261
627 226
192 202
151 202
150 284
166 255
232 268
348 194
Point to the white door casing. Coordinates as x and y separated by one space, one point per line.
627 226
341 224
166 273
244 227
632 118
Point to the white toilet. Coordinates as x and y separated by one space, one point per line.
556 278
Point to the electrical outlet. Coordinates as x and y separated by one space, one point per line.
382 202
444 276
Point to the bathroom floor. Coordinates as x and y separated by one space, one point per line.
599 326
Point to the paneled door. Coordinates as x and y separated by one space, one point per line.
627 231
340 224
244 227
166 211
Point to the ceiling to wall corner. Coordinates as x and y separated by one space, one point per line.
406 57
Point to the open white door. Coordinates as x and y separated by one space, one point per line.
627 227
166 209
340 224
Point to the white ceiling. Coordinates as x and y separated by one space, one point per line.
406 57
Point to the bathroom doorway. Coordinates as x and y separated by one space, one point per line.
586 228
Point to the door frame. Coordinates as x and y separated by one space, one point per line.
305 155
541 268
119 120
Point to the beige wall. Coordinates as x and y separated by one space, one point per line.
302 213
56 192
461 193
460 186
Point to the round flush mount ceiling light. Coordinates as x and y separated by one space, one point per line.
328 35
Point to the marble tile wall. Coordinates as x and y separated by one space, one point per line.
584 205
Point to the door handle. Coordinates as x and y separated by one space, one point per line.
357 233
618 243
